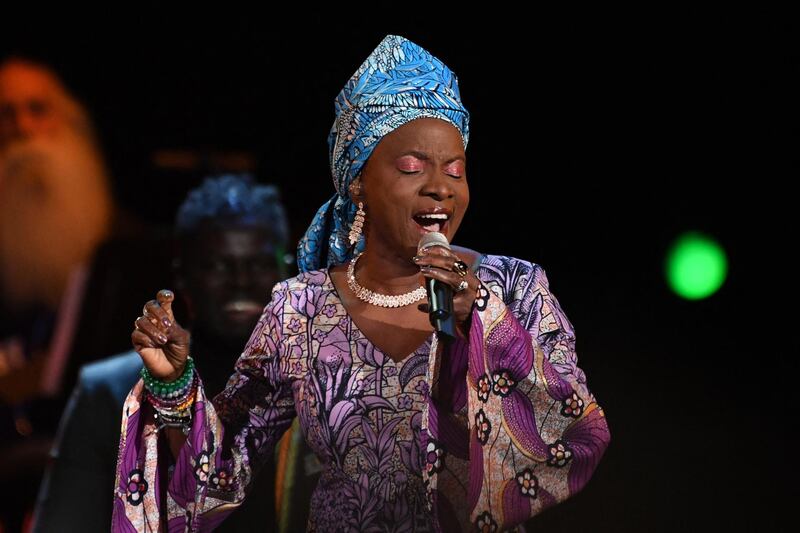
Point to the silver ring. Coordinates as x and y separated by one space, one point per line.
461 286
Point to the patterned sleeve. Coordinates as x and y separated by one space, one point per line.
537 433
229 440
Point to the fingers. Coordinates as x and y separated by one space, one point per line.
165 298
436 251
462 300
446 276
444 260
141 340
155 311
440 263
158 322
144 325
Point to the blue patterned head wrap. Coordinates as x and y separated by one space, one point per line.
399 82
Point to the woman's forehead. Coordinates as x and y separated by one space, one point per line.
423 135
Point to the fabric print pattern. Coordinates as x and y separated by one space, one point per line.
508 429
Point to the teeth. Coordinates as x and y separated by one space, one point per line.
438 216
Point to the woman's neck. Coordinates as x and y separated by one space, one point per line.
387 271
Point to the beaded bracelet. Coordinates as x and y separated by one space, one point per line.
163 388
172 400
181 404
178 422
179 418
168 393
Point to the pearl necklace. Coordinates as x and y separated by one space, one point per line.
382 300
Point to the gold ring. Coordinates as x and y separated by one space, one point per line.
460 268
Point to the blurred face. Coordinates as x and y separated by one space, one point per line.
30 101
227 275
414 182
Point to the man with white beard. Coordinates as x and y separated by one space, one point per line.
55 210
55 204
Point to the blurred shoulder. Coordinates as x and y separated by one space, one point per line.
115 374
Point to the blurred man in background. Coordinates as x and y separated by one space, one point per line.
230 242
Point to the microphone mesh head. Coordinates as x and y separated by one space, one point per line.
433 238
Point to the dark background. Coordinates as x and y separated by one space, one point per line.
597 138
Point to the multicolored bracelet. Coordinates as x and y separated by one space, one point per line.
176 406
178 422
172 400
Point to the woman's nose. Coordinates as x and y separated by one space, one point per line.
439 185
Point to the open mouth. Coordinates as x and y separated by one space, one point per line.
432 221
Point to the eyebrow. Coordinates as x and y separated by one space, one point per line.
425 157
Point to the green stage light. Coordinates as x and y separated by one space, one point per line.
696 266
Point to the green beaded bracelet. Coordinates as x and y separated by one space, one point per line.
162 388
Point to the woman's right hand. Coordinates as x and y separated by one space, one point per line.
161 342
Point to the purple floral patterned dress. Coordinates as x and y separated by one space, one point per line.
484 436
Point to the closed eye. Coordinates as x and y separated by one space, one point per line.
455 169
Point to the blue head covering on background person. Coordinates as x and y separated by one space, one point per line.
399 82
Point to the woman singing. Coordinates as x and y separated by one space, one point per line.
414 434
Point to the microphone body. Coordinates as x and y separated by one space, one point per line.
440 295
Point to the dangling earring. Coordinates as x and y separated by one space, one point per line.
358 225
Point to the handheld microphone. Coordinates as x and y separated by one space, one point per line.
440 295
